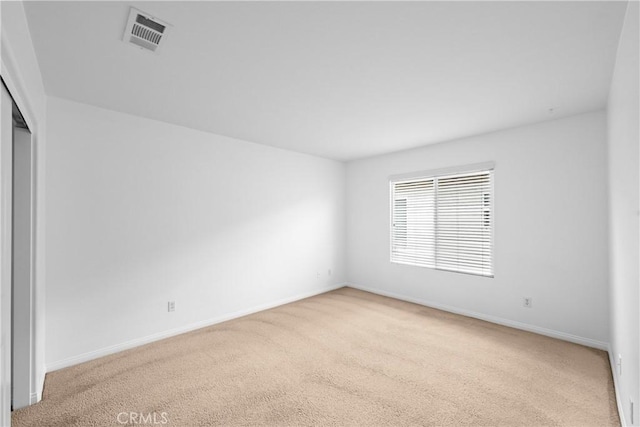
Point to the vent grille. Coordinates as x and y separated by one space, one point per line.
146 34
144 31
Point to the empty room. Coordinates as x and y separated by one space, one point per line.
310 213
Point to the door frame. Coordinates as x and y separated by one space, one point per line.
18 382
6 226
13 81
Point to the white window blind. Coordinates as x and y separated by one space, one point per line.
444 222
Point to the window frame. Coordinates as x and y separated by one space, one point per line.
445 173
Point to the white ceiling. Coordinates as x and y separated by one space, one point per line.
338 80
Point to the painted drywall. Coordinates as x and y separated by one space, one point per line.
141 212
21 73
624 190
550 228
341 79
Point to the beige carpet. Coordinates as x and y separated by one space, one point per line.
342 358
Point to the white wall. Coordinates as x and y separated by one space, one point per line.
141 212
550 228
21 73
624 190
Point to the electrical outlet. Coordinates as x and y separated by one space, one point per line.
318 275
171 306
329 272
620 364
527 302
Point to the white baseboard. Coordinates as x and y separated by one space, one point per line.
36 397
616 387
85 357
493 319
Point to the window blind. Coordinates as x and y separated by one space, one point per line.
444 222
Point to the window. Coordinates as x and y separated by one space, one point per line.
444 222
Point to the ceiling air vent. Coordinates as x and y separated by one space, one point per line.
145 31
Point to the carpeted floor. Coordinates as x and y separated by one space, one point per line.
342 358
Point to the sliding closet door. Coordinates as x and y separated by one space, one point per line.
6 160
22 332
